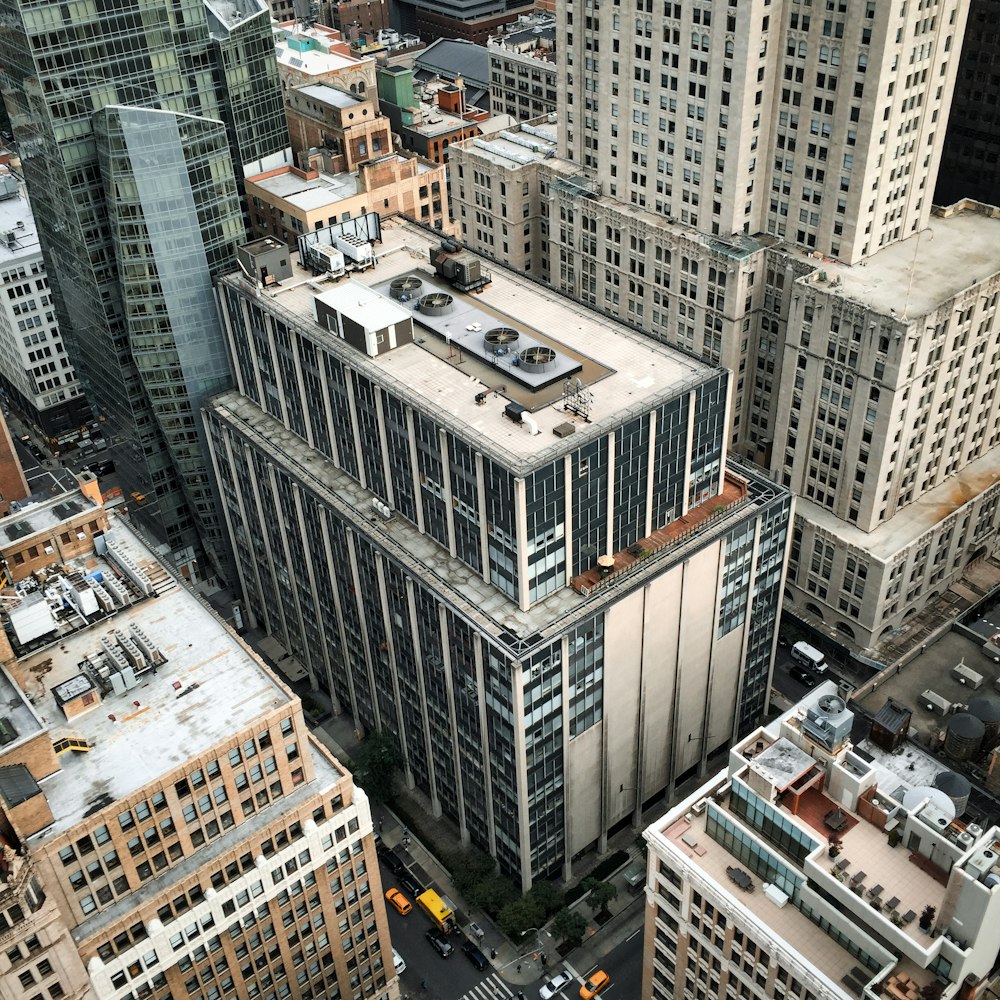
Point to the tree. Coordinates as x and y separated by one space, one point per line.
468 868
375 765
601 893
492 894
548 897
519 915
570 926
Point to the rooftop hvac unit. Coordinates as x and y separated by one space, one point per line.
933 702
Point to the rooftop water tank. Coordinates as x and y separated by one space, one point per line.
964 737
987 710
957 787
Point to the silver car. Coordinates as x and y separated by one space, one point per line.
554 985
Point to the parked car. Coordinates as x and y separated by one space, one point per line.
409 883
399 901
398 963
597 981
554 985
802 675
390 859
439 942
102 468
474 955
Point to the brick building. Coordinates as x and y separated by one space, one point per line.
169 825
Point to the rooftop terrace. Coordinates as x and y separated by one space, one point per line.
209 686
881 888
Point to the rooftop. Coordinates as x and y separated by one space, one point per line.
869 870
326 94
43 515
16 219
208 686
526 143
478 601
308 193
635 374
230 13
908 524
915 276
451 57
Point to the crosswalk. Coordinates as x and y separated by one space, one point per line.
493 988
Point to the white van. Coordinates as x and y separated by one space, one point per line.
398 963
809 656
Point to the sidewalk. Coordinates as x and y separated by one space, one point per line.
519 965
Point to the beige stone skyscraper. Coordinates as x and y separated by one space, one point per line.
817 122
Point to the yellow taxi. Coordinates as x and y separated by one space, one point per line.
597 981
399 901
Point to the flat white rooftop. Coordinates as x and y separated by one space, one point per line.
326 94
510 147
642 373
16 218
210 686
308 193
912 278
33 518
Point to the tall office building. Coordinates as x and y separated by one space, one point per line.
137 166
504 530
169 826
36 374
821 124
746 898
852 318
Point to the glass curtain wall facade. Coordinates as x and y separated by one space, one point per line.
174 214
63 64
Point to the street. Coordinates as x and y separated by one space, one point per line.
447 978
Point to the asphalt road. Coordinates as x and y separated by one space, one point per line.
624 965
448 978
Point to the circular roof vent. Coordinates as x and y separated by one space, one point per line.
501 340
407 285
537 359
436 303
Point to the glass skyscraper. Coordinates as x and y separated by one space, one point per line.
134 122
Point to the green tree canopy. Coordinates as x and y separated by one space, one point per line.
570 926
375 765
601 893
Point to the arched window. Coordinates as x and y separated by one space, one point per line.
824 53
835 56
729 49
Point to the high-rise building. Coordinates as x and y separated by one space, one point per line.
846 310
36 374
821 126
147 155
503 529
169 826
812 869
970 162
523 67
